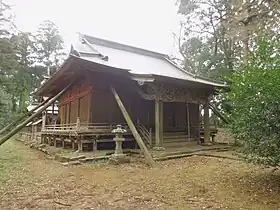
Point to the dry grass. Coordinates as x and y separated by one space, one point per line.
31 181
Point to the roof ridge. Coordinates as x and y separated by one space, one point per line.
121 46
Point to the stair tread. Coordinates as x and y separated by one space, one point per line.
175 140
177 144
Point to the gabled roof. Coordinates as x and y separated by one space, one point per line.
136 63
136 60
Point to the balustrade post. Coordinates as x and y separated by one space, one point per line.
78 124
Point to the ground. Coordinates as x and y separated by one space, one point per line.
30 180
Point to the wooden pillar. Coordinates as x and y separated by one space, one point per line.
159 122
80 143
54 142
35 132
32 132
206 124
43 121
73 144
53 109
62 142
78 124
94 144
188 121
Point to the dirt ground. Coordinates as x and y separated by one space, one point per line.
29 180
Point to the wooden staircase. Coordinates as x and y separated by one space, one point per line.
170 139
176 139
145 134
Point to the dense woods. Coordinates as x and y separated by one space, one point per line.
25 60
238 41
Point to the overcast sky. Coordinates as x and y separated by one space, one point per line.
144 23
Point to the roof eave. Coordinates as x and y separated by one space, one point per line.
61 68
205 80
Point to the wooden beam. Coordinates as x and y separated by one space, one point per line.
133 128
206 124
29 119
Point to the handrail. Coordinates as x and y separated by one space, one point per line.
106 127
145 133
192 129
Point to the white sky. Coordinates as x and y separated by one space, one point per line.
144 23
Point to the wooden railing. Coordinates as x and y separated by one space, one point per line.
145 133
83 127
71 126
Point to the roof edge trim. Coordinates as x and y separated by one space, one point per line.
216 83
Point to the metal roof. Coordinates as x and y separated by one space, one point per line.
48 109
136 60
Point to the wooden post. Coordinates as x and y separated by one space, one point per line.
159 122
78 124
133 129
80 143
44 121
55 141
53 109
199 124
73 144
78 110
29 119
42 138
206 124
63 142
94 144
188 121
32 132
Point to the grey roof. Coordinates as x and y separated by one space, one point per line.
136 60
48 109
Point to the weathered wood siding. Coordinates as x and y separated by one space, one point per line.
62 112
106 110
76 102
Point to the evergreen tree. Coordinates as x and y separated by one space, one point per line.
49 45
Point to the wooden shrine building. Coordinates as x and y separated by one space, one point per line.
162 99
